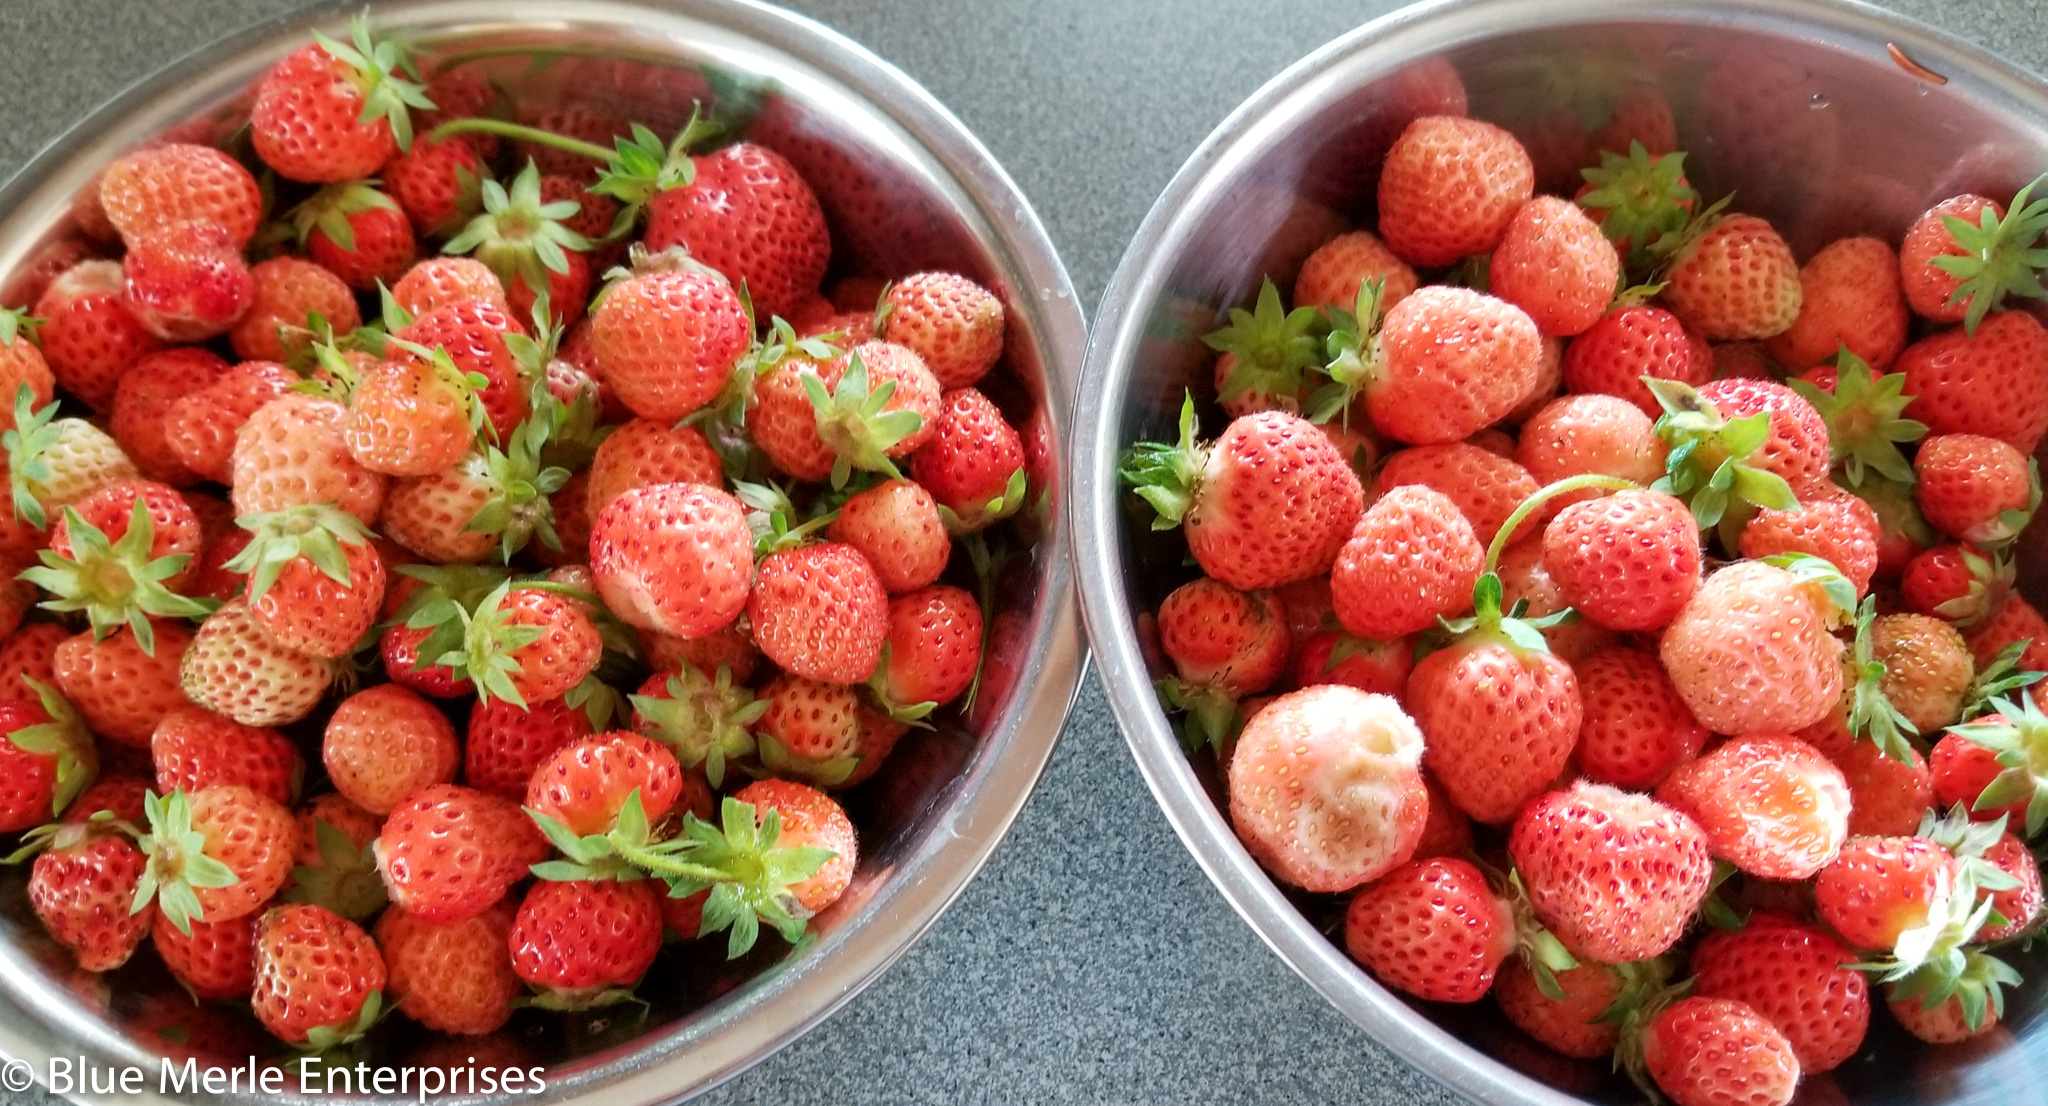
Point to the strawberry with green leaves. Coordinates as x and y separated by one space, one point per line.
522 238
1959 583
334 111
1268 357
414 415
83 884
519 644
1737 444
1964 256
46 758
1638 199
491 504
214 854
337 861
315 582
356 232
125 582
882 406
705 720
2016 736
319 977
55 462
1865 416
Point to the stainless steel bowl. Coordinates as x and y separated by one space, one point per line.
1796 105
906 187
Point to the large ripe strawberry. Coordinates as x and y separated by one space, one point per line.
896 525
1449 188
1718 1052
1433 928
820 612
1798 977
584 943
1485 486
949 321
192 748
644 452
1554 263
506 742
292 452
1837 527
448 852
584 786
1987 383
1850 297
319 977
122 689
1268 503
315 582
1353 757
1615 875
89 336
455 977
218 853
1751 651
1732 277
336 111
933 650
1974 488
1628 561
384 744
677 558
1634 729
82 888
279 324
186 282
155 187
1436 367
214 961
1411 559
356 232
1612 356
233 668
1771 805
748 214
973 463
667 336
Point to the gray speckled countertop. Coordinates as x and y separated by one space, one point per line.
1091 962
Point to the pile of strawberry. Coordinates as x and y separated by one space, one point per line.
1619 612
581 611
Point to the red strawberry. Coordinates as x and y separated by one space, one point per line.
448 853
953 324
1719 1052
149 189
399 647
1523 579
1880 887
1616 876
2020 906
1888 796
335 111
816 732
1449 188
1933 291
1958 583
1796 977
584 786
1735 278
522 644
415 416
22 364
1751 652
677 558
595 212
1334 273
1433 928
143 402
1351 756
1987 383
1975 489
1579 434
1635 728
455 977
583 942
319 977
934 647
89 336
436 184
1945 1024
1837 527
1628 561
819 611
1571 1025
1554 263
473 333
186 282
644 452
1628 343
1772 805
122 690
810 819
192 748
666 337
1850 298
506 742
1447 362
1992 765
749 215
29 653
896 525
1411 559
215 961
217 854
199 426
292 452
315 582
436 282
233 668
1328 657
46 758
356 232
385 744
1485 486
973 463
82 889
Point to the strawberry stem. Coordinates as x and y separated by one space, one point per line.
1544 495
522 133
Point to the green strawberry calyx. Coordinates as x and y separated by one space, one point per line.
62 836
1353 358
63 737
316 532
856 423
1274 348
1991 580
704 720
913 714
2003 528
518 235
17 322
490 642
1999 678
346 879
439 606
1865 415
1834 592
1872 716
779 761
1539 948
1168 477
377 64
177 862
28 444
1640 199
1708 465
328 211
775 520
117 583
322 1038
517 508
2000 256
1934 962
2017 734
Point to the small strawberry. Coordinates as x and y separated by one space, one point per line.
22 363
483 341
954 325
1615 875
1580 434
293 452
1573 1024
1837 527
1554 263
89 336
413 416
335 111
214 961
667 335
1329 657
149 189
1751 652
2021 904
1333 275
1928 668
1628 561
933 651
186 282
319 977
337 860
1630 342
519 644
47 756
315 582
82 888
122 689
436 282
233 668
1638 198
644 452
818 733
356 232
1739 441
1958 583
2016 737
1887 794
1718 1052
1449 188
437 185
1356 758
1635 729
973 463
1770 804
192 748
1881 887
143 401
1975 489
448 852
121 573
583 943
385 744
506 742
811 822
1411 559
1731 277
199 426
1850 299
1986 383
491 504
216 854
677 558
455 977
29 654
819 611
1524 580
1902 533
896 525
1433 928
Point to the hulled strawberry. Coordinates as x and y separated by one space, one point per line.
1771 805
1616 876
319 977
336 111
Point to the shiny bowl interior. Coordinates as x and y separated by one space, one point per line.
905 188
1797 106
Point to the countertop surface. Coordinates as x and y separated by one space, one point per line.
1091 962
